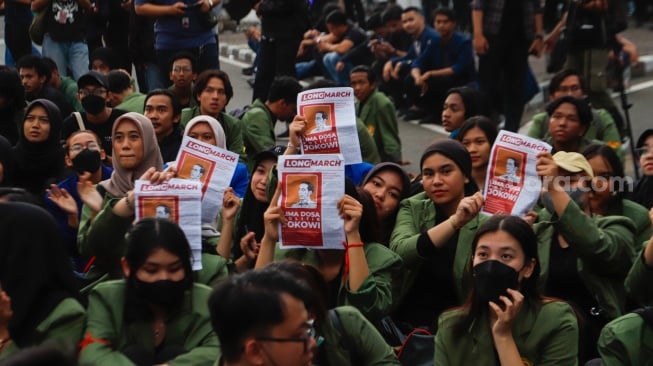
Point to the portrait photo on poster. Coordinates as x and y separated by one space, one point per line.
161 207
509 165
302 191
319 117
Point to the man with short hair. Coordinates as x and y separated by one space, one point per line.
163 109
398 68
213 91
182 75
261 117
377 112
442 66
343 38
261 318
196 172
162 212
122 94
512 165
35 78
304 194
571 82
97 116
64 84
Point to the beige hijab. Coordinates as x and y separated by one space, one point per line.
218 131
122 180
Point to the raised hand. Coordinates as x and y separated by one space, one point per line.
63 199
87 192
350 211
230 204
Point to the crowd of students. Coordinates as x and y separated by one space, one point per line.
82 282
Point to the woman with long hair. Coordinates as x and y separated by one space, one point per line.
609 187
365 274
460 104
477 134
505 320
388 184
38 294
432 233
156 315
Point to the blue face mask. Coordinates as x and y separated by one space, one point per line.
576 194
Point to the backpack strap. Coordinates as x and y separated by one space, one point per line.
646 313
80 121
345 338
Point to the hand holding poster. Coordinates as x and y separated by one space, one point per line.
311 186
177 200
210 165
512 185
331 123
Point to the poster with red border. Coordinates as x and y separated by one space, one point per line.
311 186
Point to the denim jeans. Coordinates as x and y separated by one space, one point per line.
330 60
149 77
71 56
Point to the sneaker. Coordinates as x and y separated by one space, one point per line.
248 71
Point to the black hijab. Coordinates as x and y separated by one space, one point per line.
34 269
39 164
7 162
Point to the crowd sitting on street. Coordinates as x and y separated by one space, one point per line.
83 282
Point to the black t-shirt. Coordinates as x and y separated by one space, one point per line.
512 19
170 145
101 129
55 96
67 21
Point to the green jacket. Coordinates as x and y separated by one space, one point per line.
107 334
627 340
639 282
639 216
379 116
233 129
369 152
416 215
104 238
192 102
134 102
69 90
64 325
605 249
380 289
546 334
360 344
258 134
601 128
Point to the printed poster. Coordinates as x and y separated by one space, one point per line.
178 200
209 165
331 123
512 185
311 186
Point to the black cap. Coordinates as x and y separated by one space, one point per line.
642 138
118 81
93 77
269 153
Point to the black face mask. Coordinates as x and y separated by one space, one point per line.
164 293
87 161
492 278
93 104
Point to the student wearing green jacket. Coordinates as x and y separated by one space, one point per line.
345 336
213 91
366 273
584 259
156 315
377 112
506 321
433 232
258 122
639 283
38 293
609 187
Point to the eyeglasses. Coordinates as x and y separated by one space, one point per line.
99 92
644 150
178 69
306 338
79 147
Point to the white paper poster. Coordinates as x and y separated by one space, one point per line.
311 186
